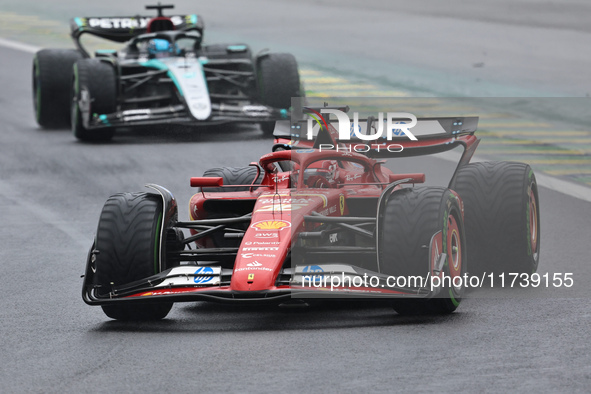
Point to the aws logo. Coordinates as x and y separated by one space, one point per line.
266 235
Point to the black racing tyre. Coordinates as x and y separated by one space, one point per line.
94 92
52 75
411 218
502 213
127 239
278 81
233 176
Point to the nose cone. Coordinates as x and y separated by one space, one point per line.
262 253
266 243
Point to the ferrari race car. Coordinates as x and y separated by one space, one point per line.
316 219
163 75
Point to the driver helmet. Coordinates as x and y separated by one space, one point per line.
158 47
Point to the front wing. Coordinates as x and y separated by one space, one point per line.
212 283
178 114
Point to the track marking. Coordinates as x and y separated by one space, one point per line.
546 150
18 46
521 132
558 161
539 141
520 124
567 171
354 93
324 80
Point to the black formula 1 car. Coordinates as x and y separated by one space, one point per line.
312 221
163 75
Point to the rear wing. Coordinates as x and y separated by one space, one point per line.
433 135
121 29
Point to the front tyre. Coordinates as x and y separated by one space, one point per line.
418 225
502 216
94 93
128 241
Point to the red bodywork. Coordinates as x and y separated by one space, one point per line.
279 210
331 183
281 203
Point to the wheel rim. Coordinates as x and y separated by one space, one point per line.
454 249
533 222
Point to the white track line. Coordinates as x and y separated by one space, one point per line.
572 189
18 46
559 185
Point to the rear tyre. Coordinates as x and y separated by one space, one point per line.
94 92
502 216
267 128
52 75
278 81
411 218
233 176
127 239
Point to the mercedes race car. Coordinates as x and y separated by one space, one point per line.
163 75
318 219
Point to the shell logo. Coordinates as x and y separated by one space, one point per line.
266 225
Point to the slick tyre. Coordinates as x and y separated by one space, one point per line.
52 76
128 243
94 91
411 219
233 176
502 213
278 81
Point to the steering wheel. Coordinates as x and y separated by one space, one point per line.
318 182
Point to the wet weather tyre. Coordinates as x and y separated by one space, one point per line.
411 218
278 81
502 213
52 76
127 241
233 176
94 91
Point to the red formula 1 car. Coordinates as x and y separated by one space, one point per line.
319 222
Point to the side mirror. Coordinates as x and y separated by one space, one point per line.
205 181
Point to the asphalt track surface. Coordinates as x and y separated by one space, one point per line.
51 192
